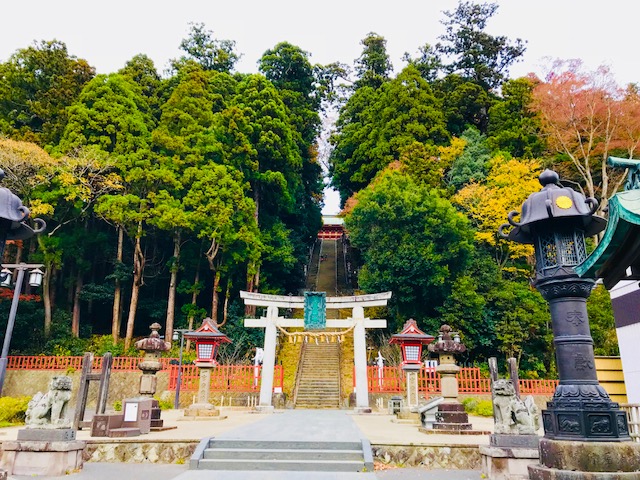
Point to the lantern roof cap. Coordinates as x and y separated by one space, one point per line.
554 202
207 331
411 333
153 343
446 343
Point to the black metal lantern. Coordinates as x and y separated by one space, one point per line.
556 221
13 215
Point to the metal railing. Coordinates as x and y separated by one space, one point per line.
633 418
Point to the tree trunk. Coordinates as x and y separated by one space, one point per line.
194 298
19 249
138 270
117 293
225 309
215 300
46 298
75 317
171 301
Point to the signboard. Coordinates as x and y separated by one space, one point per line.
315 310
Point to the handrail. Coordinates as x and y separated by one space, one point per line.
303 349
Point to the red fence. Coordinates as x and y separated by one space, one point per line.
243 378
391 380
24 362
237 378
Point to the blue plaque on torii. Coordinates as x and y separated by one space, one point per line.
315 310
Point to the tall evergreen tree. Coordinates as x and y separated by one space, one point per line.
37 84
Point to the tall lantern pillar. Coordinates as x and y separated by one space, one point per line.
207 339
581 417
411 340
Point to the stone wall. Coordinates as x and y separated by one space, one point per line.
179 451
429 456
136 451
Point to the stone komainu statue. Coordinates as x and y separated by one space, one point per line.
513 415
49 410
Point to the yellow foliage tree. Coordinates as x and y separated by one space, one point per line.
507 186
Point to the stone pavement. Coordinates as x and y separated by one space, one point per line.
378 428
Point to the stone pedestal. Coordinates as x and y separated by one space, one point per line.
567 460
502 463
47 434
203 408
451 416
411 375
33 458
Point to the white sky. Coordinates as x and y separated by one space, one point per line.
109 33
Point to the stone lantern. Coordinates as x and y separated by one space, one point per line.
153 346
451 414
411 339
556 221
207 338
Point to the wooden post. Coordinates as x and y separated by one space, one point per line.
105 374
493 376
83 390
513 375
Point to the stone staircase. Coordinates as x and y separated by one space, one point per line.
318 383
261 455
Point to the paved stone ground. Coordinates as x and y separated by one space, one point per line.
290 424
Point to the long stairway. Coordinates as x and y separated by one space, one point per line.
319 376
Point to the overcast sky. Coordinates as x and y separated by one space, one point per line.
109 33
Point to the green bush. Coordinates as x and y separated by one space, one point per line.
12 410
484 408
164 404
470 404
481 408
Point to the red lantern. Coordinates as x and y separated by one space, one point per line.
411 340
208 338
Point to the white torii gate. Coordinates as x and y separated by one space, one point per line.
272 321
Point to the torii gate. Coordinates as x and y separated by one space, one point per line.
357 321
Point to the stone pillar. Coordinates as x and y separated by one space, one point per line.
360 360
204 385
411 376
269 360
203 408
451 415
448 381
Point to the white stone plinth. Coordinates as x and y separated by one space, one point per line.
499 463
52 459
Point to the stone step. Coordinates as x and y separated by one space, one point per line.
265 455
281 454
283 444
282 465
319 382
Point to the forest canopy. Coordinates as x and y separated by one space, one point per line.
167 193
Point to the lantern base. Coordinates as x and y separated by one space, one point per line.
264 408
581 460
584 413
204 410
